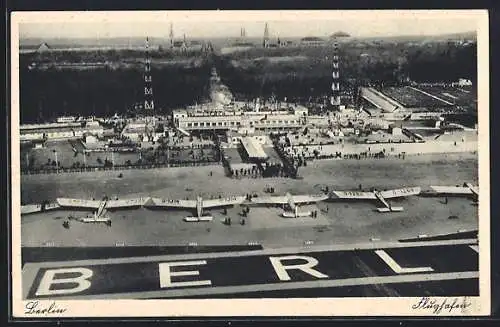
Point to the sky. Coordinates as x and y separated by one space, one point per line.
228 24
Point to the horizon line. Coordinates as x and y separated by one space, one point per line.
248 36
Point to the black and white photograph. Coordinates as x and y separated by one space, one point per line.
241 163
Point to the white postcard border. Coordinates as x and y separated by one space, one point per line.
255 307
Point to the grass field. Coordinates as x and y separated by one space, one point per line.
343 223
412 98
465 97
67 157
43 158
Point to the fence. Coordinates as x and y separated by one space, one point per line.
119 168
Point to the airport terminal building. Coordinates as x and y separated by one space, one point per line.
259 120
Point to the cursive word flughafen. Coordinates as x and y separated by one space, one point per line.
34 308
438 306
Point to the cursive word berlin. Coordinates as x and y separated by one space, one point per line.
33 307
439 306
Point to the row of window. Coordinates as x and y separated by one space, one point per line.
212 124
235 113
233 123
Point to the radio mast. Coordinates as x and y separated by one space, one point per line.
335 98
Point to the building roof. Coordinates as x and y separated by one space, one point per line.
61 129
311 38
48 126
90 128
339 34
396 125
253 148
242 118
43 47
130 130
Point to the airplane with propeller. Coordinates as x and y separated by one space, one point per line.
199 205
99 216
380 196
101 207
291 203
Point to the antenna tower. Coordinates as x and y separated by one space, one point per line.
335 98
149 105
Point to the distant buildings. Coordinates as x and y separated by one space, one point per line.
184 46
266 43
312 41
238 46
58 131
66 119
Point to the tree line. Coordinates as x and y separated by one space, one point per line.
102 91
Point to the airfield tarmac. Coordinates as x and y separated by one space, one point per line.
343 223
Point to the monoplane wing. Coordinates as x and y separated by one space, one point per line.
169 203
355 195
397 193
78 203
222 202
452 190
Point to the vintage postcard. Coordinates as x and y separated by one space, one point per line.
250 163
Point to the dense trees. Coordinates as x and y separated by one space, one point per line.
443 63
295 73
50 93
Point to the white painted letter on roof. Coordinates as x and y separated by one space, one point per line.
166 274
307 267
48 280
397 268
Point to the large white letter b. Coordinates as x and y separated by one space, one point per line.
48 280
